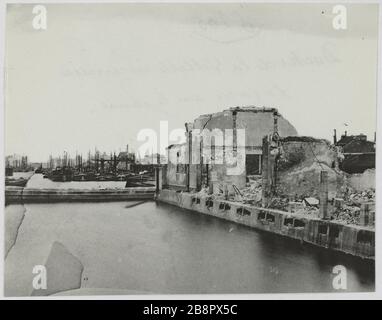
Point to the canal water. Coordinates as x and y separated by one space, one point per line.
157 248
38 181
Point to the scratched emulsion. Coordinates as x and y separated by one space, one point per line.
13 218
151 248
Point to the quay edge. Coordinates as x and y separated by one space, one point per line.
31 195
351 239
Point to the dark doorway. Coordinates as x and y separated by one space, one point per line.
253 164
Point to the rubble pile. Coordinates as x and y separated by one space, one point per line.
353 197
348 207
279 204
312 211
251 194
347 214
344 205
203 192
297 205
206 192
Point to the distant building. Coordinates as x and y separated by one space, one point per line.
358 153
17 161
35 165
125 159
153 159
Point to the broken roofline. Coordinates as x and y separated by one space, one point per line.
304 139
249 108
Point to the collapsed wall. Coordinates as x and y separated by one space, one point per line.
300 163
362 181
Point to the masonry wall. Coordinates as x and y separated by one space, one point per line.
354 240
362 181
176 155
257 123
299 166
174 178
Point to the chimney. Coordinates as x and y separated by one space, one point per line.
375 137
346 133
335 136
323 194
275 122
127 148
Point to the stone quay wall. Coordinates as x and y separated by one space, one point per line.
351 239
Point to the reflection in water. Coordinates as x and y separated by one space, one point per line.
159 248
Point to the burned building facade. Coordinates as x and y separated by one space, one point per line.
295 178
222 149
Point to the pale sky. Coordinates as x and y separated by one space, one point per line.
100 73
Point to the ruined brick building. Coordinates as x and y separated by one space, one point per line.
235 133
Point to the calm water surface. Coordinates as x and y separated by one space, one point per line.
159 248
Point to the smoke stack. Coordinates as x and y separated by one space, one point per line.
346 133
375 137
127 148
335 136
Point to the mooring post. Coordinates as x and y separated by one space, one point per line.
199 176
364 214
265 172
189 159
210 187
158 179
225 192
324 195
